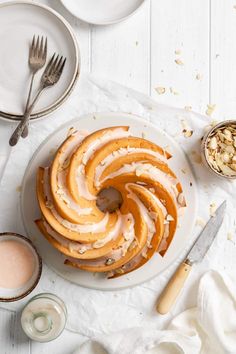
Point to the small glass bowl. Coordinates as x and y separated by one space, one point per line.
223 124
9 295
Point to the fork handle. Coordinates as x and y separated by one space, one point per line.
26 130
23 123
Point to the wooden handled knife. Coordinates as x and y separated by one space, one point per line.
195 255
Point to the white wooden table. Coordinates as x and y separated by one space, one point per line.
186 48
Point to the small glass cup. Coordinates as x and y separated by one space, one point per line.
44 317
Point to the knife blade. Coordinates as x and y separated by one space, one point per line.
196 254
206 237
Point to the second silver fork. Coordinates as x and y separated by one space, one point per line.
50 77
37 59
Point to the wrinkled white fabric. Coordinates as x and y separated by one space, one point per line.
209 328
94 312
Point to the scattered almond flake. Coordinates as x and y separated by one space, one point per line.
210 109
109 261
173 91
169 218
60 191
177 51
152 190
119 271
71 131
181 199
179 62
49 204
160 90
143 135
18 188
200 222
188 108
198 76
187 132
230 236
212 209
144 254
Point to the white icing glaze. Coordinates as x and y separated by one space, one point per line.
61 178
76 246
153 172
95 145
82 184
123 152
78 137
115 254
105 138
98 227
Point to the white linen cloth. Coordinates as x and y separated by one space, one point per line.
93 312
209 328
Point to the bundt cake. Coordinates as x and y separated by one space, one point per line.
119 241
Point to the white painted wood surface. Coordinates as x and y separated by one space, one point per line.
187 47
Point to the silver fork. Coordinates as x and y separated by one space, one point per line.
50 77
37 59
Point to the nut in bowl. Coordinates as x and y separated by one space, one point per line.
219 149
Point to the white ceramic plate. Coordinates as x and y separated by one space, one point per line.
102 12
19 22
30 209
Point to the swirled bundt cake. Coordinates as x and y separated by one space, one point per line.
113 242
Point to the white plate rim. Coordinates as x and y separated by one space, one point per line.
104 23
16 117
193 189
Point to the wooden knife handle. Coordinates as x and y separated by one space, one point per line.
173 288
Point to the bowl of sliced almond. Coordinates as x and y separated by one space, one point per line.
219 149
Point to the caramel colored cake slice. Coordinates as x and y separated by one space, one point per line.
117 241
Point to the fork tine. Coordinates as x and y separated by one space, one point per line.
53 66
31 51
58 64
62 67
36 49
46 71
45 49
40 53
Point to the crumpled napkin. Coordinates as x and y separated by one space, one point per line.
93 312
209 328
